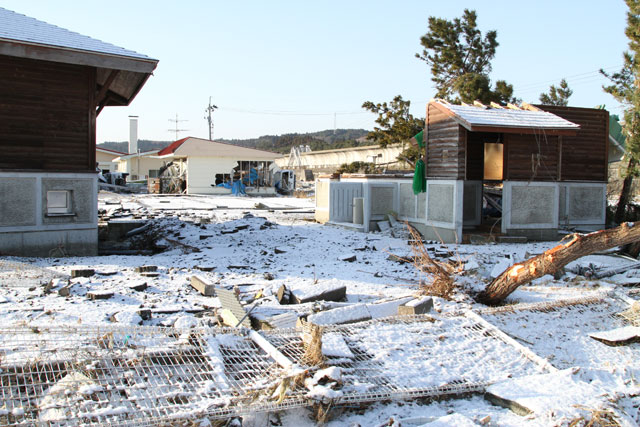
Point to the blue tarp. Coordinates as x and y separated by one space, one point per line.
238 189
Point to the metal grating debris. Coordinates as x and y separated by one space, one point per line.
559 331
93 375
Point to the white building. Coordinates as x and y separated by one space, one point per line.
205 164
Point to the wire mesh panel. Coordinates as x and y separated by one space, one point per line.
417 356
559 331
144 375
90 375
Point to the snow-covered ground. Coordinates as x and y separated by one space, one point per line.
256 245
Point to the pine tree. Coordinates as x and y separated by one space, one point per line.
395 124
460 59
557 95
625 88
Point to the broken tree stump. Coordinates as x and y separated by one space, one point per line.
576 246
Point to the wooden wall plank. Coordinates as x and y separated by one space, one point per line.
46 118
584 156
531 157
445 146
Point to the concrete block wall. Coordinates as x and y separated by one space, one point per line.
530 209
437 214
444 211
26 228
583 205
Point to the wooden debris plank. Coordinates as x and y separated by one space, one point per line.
203 286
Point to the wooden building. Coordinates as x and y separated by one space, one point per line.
53 85
549 164
550 161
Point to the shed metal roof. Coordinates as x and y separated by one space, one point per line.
478 119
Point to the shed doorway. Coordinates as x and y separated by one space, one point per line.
493 159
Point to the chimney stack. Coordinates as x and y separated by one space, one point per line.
133 134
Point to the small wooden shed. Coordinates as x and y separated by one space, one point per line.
550 161
548 164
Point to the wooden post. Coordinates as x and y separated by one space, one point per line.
559 178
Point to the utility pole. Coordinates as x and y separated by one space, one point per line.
176 130
209 110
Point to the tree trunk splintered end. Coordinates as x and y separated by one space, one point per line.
549 262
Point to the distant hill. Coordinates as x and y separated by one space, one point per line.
143 145
322 140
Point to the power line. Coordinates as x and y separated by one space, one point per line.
290 113
572 77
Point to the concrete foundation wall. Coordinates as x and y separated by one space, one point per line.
382 200
28 229
408 201
18 196
54 243
445 209
530 209
438 212
582 204
440 202
529 205
549 205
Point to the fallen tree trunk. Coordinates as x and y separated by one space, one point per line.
576 246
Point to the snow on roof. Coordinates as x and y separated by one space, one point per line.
191 146
107 150
17 27
472 116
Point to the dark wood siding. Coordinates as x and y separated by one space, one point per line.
47 115
531 157
445 146
584 156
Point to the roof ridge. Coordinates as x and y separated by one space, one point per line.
40 30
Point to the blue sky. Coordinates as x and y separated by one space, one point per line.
275 67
